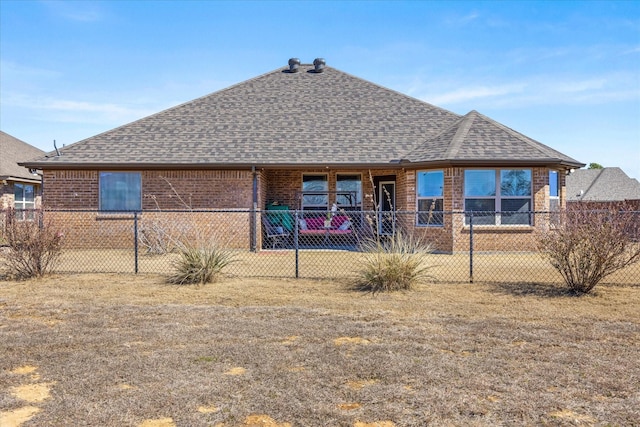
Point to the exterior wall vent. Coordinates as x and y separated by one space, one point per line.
294 63
319 64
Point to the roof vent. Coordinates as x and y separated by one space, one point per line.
294 63
319 64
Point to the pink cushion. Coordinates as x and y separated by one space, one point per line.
315 223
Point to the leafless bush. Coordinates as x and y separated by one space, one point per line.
33 246
586 245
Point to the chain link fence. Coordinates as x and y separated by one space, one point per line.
466 246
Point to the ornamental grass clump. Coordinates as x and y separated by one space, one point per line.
393 263
201 264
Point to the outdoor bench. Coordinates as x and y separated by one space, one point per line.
340 225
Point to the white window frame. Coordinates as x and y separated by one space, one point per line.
498 199
23 206
438 215
130 205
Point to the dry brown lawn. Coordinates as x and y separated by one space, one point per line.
123 350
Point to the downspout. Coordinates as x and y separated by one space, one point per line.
254 208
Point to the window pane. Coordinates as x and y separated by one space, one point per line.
349 183
430 212
18 192
29 193
315 183
120 191
553 183
480 183
483 211
430 184
515 182
516 211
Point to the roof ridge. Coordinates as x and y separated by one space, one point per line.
593 182
463 130
529 141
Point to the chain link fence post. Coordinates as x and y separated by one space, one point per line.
135 241
471 247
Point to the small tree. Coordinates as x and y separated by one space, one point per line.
586 245
33 246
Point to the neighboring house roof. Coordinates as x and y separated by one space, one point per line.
12 151
305 118
601 185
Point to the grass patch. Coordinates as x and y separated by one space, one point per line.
119 350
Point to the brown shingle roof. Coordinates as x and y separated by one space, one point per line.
288 119
475 138
12 151
602 185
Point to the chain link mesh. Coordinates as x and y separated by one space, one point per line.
466 247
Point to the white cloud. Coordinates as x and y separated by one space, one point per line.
465 94
73 111
80 11
535 90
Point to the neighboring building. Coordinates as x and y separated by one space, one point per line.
19 187
601 185
308 136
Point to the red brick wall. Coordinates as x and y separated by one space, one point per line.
197 189
231 189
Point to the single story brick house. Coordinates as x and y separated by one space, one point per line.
309 136
20 188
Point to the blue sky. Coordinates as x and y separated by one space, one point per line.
566 73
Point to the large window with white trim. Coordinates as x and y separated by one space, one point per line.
120 191
498 196
24 200
430 197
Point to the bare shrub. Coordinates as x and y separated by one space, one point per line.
586 245
33 246
394 263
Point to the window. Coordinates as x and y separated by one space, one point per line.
24 200
430 198
351 184
315 184
554 191
120 191
498 197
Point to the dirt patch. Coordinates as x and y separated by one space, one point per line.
32 393
208 409
349 406
350 340
23 370
161 422
360 384
236 371
263 421
375 424
572 417
17 417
